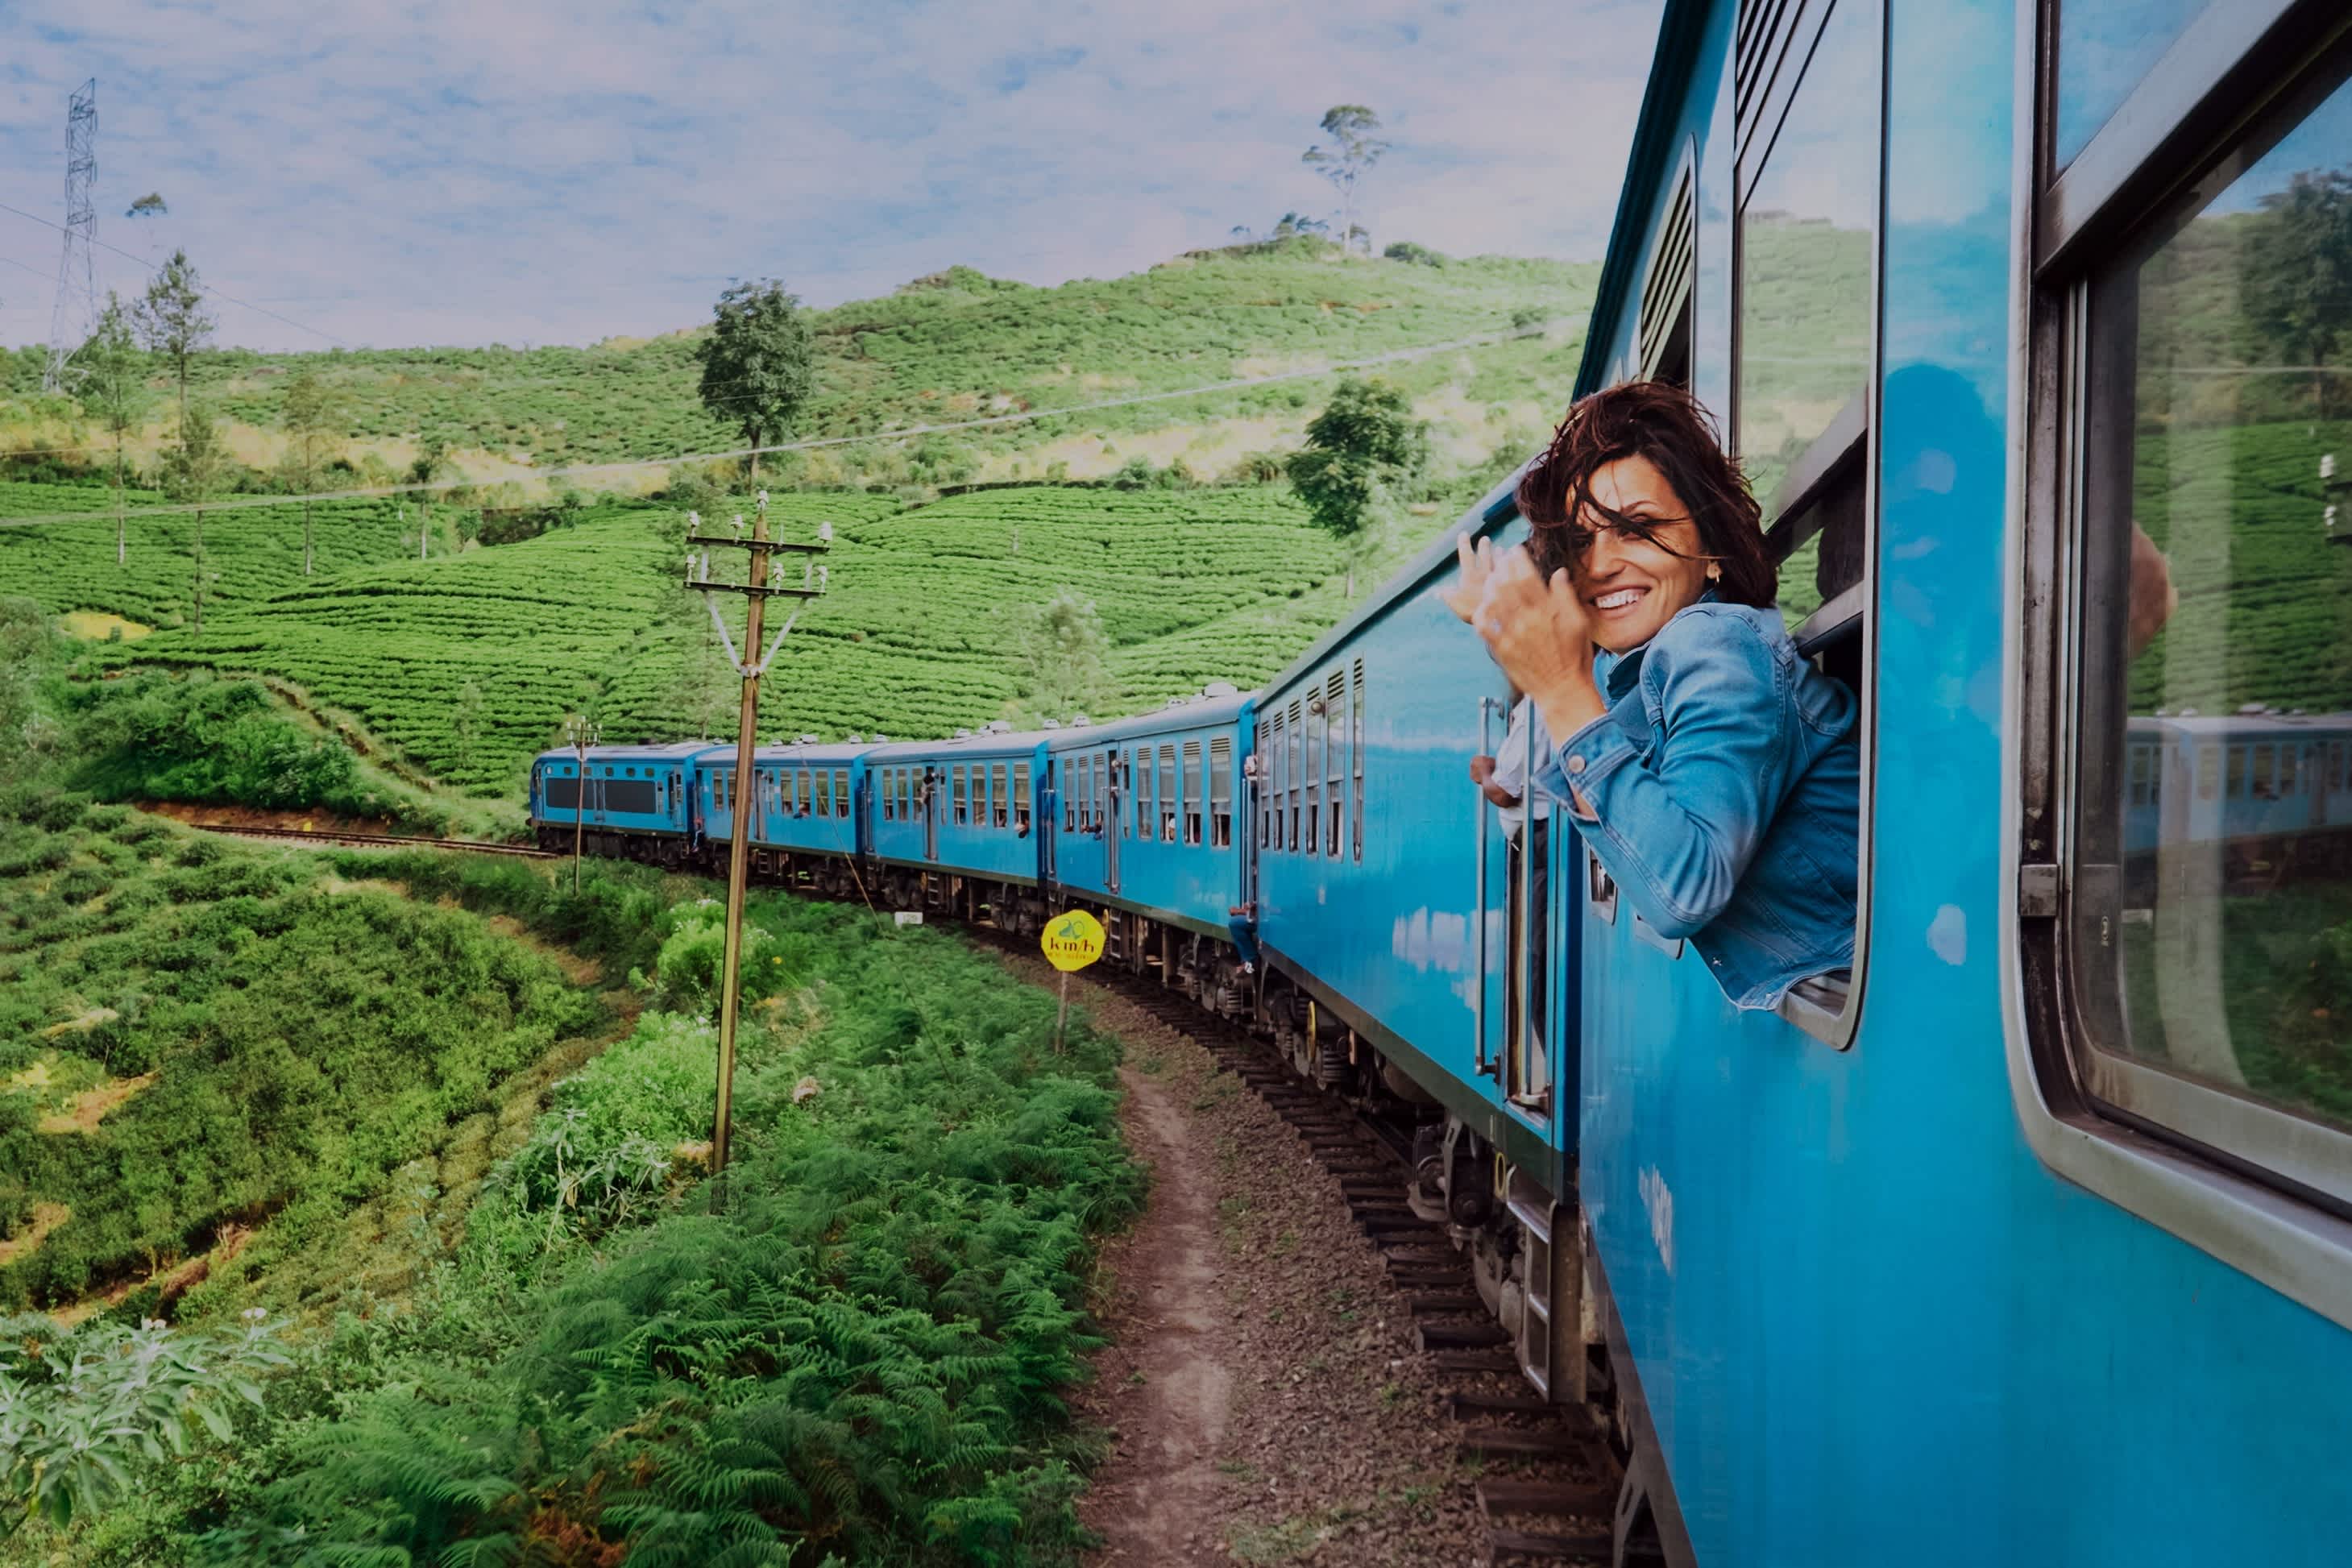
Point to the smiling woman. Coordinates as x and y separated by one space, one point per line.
1710 767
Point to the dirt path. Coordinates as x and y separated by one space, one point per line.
1262 1390
1152 1502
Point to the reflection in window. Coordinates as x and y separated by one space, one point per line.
2222 417
1805 310
2105 48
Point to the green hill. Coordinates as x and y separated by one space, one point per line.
955 346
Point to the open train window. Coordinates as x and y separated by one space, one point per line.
1195 793
1335 758
1021 796
2190 969
841 792
1167 801
1221 792
1295 762
1806 363
1141 776
1000 796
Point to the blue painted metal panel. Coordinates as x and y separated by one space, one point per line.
806 797
930 834
1197 881
630 789
1871 1326
1394 933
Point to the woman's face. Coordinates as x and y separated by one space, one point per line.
1632 586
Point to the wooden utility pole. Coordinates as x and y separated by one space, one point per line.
582 733
761 582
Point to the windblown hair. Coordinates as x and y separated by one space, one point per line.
1662 422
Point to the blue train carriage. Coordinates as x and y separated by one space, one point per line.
2274 788
1400 963
804 826
2026 1240
1150 835
639 802
956 826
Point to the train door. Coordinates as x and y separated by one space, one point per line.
1118 821
930 813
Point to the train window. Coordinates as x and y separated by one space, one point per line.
1070 787
1167 802
1000 797
956 794
1195 793
2335 765
1269 785
1139 779
824 795
1314 749
1356 752
2212 950
1335 757
1295 762
1021 796
1221 792
841 792
2209 771
1801 406
801 790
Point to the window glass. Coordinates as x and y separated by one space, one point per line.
1335 757
1071 785
1220 793
2105 48
1270 785
955 781
2218 595
1314 810
1020 794
1168 794
1296 772
1139 770
1805 310
1195 793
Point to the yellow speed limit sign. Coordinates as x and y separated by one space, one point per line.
1072 941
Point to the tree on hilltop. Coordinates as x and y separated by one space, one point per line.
1353 148
312 416
2298 278
759 361
171 322
114 387
195 469
1366 439
1063 655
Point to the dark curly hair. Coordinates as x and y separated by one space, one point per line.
1662 422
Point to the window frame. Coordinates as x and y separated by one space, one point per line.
1356 753
1221 792
2261 1189
1818 1007
1171 800
1191 771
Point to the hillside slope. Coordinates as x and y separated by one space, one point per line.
954 347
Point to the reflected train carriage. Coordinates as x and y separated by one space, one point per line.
2272 792
638 802
954 826
1147 834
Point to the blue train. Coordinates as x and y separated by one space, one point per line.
2028 1237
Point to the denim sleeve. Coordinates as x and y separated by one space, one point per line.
1678 828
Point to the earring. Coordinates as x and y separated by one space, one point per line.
1714 573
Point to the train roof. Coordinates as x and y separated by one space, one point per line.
812 752
1193 713
980 743
2267 725
666 750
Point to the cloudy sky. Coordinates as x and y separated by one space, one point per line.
479 170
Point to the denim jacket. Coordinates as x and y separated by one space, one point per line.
1721 790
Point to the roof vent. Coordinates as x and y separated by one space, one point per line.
1079 719
880 739
2252 707
805 741
1049 724
964 734
1221 688
1176 702
2164 712
2188 712
857 737
997 727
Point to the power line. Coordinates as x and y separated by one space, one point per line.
380 492
216 293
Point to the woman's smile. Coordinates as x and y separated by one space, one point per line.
1616 599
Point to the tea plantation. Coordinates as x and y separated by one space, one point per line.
468 664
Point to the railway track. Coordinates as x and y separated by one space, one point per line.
375 840
1548 1481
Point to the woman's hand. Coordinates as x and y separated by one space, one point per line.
1477 567
1538 633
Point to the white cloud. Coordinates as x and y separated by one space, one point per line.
468 170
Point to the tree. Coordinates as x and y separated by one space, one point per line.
1365 438
1064 657
759 361
1348 157
171 322
114 387
313 418
2298 289
195 470
432 461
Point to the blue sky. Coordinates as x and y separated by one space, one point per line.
479 170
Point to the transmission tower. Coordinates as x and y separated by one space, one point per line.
76 308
